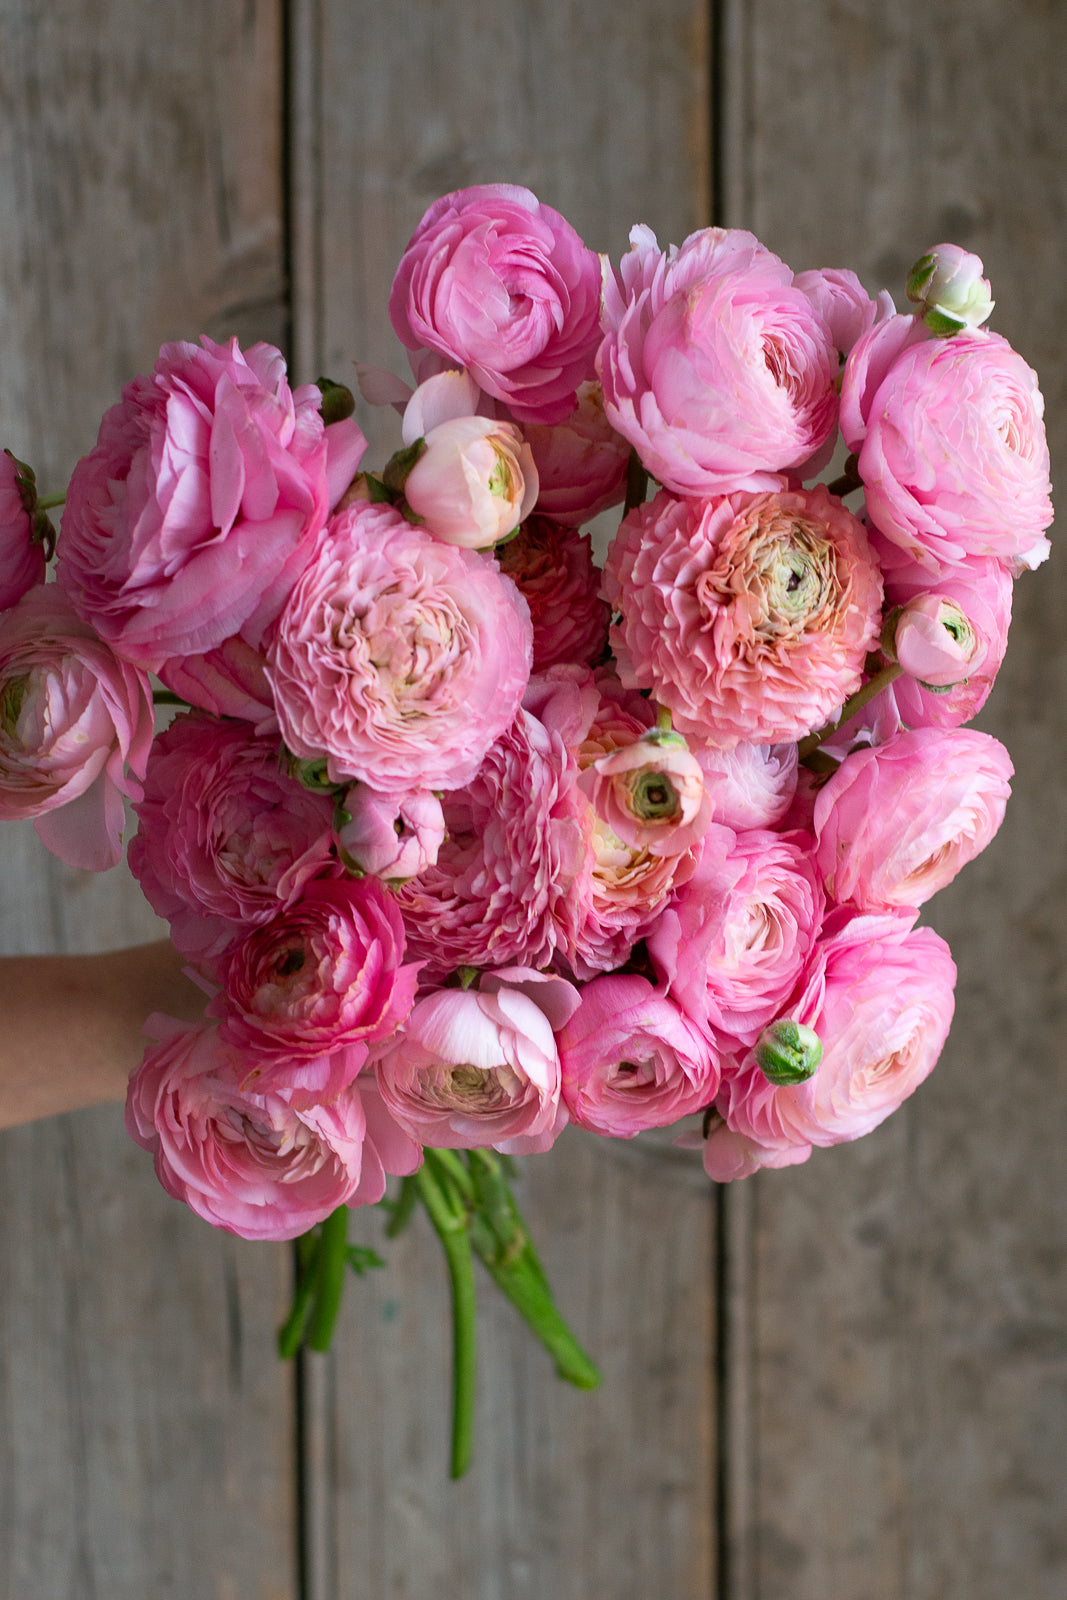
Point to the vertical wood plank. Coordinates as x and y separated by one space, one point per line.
905 1319
145 1423
604 114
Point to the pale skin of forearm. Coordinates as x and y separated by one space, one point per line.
71 1026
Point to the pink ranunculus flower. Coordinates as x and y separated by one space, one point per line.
581 462
473 483
749 617
718 370
326 972
194 514
896 823
738 935
507 886
497 282
650 793
398 658
22 554
391 836
76 725
244 1158
553 568
843 303
880 997
225 839
229 681
933 641
479 1067
631 1059
953 457
750 785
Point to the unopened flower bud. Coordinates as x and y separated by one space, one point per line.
473 482
949 290
787 1052
934 642
338 402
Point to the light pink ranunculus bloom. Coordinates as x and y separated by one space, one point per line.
326 972
76 724
500 284
552 566
225 839
244 1159
650 793
391 836
880 997
750 785
953 458
581 462
479 1067
896 823
195 512
631 1059
473 483
843 303
750 616
22 555
506 886
398 658
718 370
738 935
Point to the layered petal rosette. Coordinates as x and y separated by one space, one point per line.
243 1158
479 1067
552 566
327 972
398 659
952 448
737 937
750 785
498 283
631 1059
879 995
717 369
225 838
749 617
192 517
76 725
896 823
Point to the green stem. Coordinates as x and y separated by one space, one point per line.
167 697
291 1332
451 1228
851 708
47 502
329 1279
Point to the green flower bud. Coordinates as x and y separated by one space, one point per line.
338 402
787 1052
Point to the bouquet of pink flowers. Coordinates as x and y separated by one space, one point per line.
466 839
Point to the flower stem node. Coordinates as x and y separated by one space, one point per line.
787 1052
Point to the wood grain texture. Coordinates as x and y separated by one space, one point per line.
905 1311
605 116
146 1427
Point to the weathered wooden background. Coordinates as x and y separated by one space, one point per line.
847 1381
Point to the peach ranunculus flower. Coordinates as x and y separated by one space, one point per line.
749 617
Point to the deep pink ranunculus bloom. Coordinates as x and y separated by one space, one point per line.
76 726
714 366
631 1059
880 997
749 616
495 281
22 557
398 658
552 566
192 517
225 838
895 823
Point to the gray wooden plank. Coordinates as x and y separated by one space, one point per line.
145 1423
904 1400
604 114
